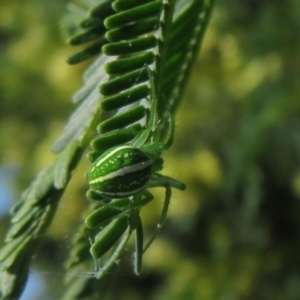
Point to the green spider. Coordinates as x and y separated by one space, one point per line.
121 176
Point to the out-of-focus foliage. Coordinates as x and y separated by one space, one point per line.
235 232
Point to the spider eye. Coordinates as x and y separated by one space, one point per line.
120 172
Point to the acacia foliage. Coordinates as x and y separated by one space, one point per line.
235 232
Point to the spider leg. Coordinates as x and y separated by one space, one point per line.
171 132
162 180
107 212
116 254
139 244
93 195
151 124
161 147
164 213
116 230
117 208
139 235
136 224
158 147
168 183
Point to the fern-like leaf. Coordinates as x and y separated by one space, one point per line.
31 217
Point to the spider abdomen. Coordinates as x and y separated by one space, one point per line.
120 172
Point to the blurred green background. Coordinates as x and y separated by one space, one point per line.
235 232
